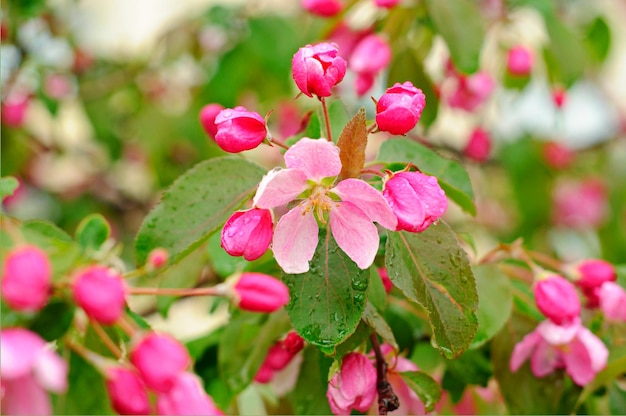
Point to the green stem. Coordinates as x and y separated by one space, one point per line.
326 119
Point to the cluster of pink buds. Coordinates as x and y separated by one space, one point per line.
470 91
160 364
279 356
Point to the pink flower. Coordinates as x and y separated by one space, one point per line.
349 208
371 55
279 356
258 292
559 95
354 386
318 68
28 368
557 299
384 276
101 293
207 118
26 278
580 205
186 397
127 392
248 233
158 257
14 109
239 129
159 359
558 155
478 147
387 4
400 108
519 61
324 8
589 276
416 199
551 347
612 299
471 91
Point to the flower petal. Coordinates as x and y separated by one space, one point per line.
559 334
295 240
545 359
523 349
368 199
596 349
51 371
279 187
355 233
578 363
20 349
24 396
317 158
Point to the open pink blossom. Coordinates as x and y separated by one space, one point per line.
354 386
551 347
28 367
349 208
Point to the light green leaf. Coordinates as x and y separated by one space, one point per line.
196 205
495 302
92 232
327 301
8 185
460 24
63 252
452 177
379 325
430 268
427 389
309 395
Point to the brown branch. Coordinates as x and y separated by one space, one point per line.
387 399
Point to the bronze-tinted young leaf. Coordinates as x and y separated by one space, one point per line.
196 205
430 268
327 301
352 142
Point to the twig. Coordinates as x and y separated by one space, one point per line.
387 399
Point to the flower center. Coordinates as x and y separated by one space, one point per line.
320 202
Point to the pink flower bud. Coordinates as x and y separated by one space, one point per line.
159 359
324 8
13 110
101 293
318 68
558 155
279 356
471 91
400 108
158 257
559 95
354 386
239 129
613 301
258 292
371 55
478 147
26 279
519 61
207 118
186 397
557 299
248 233
387 4
127 392
593 273
416 199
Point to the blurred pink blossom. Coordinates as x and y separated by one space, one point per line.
580 204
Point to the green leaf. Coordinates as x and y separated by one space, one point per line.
495 302
452 177
598 39
430 268
354 341
427 389
196 205
566 56
378 324
338 117
244 345
62 251
309 395
460 24
87 393
8 185
92 232
53 321
327 301
406 67
471 368
376 293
